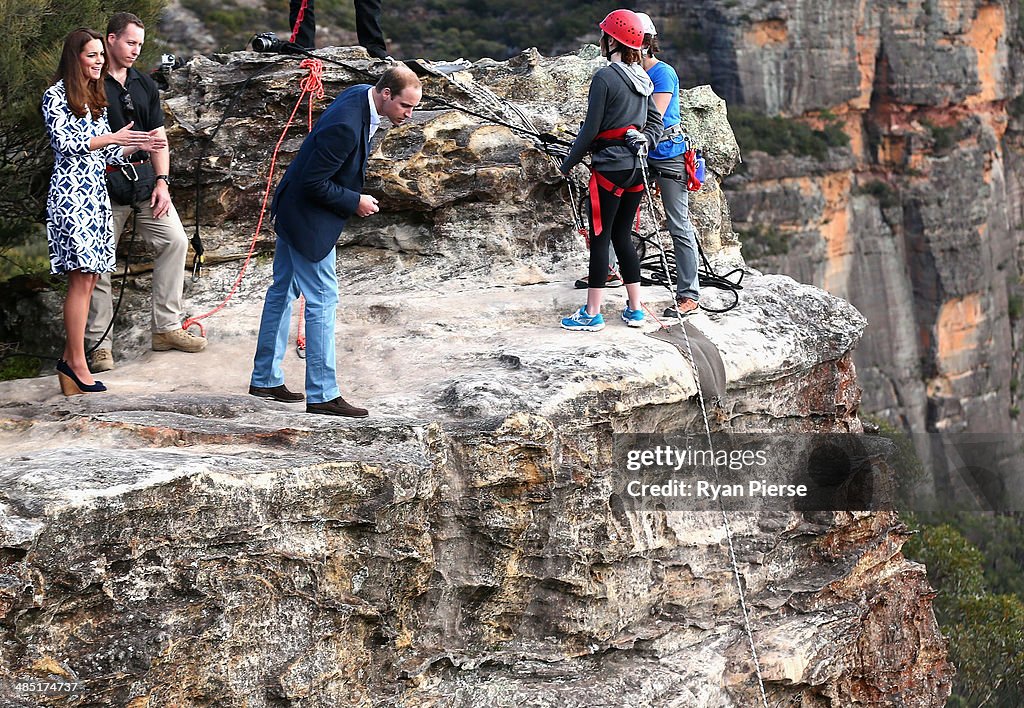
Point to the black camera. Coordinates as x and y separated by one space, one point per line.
168 62
267 42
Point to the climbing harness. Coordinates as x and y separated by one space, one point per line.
599 181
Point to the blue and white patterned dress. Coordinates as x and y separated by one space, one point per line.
79 226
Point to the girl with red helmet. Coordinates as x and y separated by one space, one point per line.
619 101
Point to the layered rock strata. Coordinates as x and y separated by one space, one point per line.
916 222
176 542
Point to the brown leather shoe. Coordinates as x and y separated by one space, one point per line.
278 393
337 407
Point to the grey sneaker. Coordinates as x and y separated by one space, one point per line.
101 360
180 339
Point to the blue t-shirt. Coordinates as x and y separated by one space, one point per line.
667 81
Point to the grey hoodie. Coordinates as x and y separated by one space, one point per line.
620 96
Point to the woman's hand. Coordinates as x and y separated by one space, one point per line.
156 141
130 138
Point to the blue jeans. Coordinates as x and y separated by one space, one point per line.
293 274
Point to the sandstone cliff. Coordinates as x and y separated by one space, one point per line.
918 221
176 542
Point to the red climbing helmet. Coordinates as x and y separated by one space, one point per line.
624 27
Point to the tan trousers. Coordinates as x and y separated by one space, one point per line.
166 236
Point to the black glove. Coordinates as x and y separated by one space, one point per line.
637 141
559 151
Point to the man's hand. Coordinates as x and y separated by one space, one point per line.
367 205
160 201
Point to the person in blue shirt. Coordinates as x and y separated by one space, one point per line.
669 170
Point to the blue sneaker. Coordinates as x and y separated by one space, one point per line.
582 322
634 318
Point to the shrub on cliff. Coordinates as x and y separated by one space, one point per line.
33 38
985 630
776 135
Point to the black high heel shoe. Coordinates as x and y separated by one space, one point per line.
71 385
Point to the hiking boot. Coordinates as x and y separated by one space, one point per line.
686 307
614 281
339 406
179 339
633 318
582 322
101 360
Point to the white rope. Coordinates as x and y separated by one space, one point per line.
688 354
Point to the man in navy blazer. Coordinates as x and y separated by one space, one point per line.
320 190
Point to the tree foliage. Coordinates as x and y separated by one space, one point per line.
449 29
776 135
33 38
978 604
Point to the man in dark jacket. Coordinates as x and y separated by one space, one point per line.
320 190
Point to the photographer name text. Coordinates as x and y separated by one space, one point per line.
706 489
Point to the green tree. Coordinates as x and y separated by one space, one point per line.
985 630
33 38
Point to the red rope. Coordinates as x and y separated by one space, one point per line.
654 316
312 84
298 20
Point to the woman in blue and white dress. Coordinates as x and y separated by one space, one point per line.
78 216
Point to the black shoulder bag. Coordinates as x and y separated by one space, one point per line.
131 182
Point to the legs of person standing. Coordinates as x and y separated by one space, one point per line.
166 236
629 263
76 312
676 200
101 306
319 283
304 32
617 214
272 342
368 28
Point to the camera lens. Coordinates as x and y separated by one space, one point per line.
265 42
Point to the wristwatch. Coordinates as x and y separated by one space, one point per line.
165 178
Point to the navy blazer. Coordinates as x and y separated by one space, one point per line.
321 188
